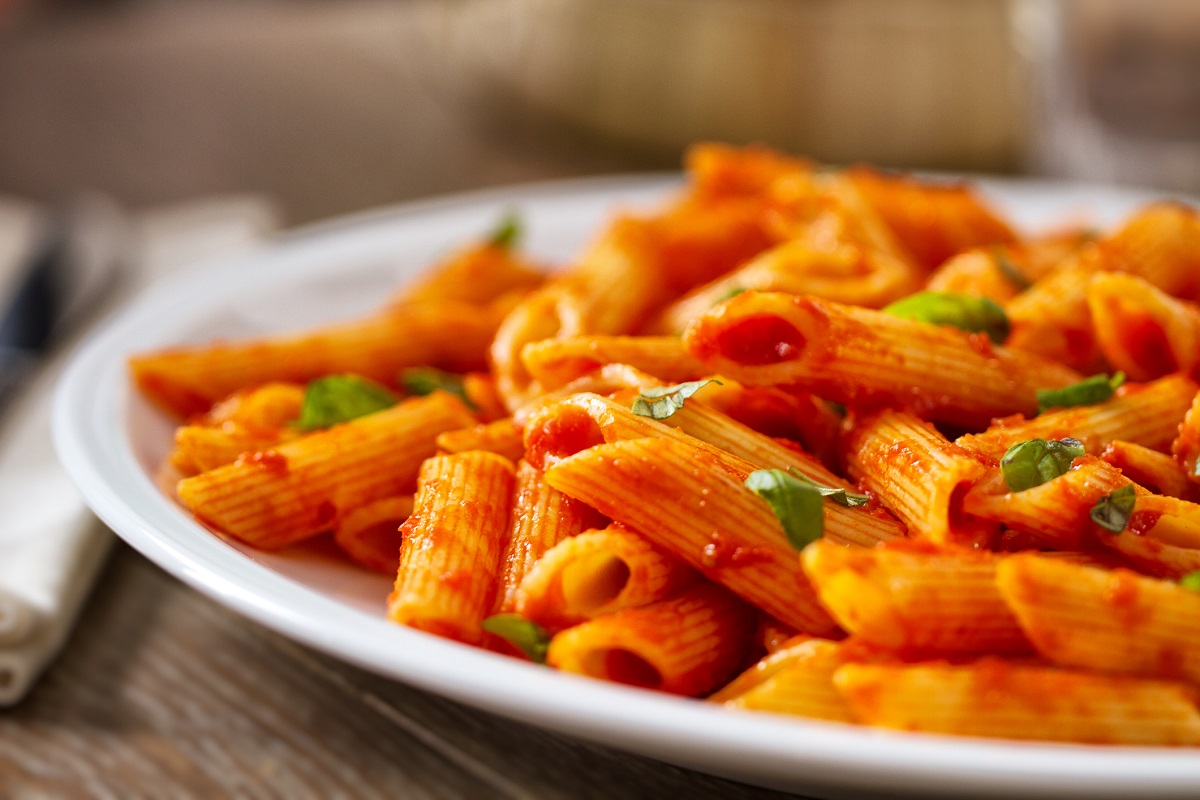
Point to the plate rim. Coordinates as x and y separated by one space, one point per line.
678 730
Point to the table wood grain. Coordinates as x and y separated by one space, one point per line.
163 693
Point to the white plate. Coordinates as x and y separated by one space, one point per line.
110 441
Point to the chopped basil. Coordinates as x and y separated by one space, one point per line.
664 401
507 231
528 637
1112 511
732 293
340 398
968 312
1095 389
420 381
1191 581
1006 266
834 493
1033 462
796 503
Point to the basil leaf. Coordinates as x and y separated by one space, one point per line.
965 311
528 637
1095 389
1006 266
836 494
1112 511
797 504
1033 462
340 398
420 381
1191 581
507 231
664 401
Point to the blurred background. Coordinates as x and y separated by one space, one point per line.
327 107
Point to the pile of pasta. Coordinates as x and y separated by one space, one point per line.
835 443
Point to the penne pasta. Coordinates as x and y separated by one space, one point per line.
553 363
450 555
502 437
1141 330
370 534
797 680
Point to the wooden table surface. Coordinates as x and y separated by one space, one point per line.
163 693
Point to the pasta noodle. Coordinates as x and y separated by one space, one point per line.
833 444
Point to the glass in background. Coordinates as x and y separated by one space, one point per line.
1114 89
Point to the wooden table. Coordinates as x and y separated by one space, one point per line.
163 693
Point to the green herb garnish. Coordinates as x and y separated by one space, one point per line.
507 231
796 501
1006 266
964 311
341 398
420 381
664 401
528 637
1095 389
1112 512
1191 581
1033 462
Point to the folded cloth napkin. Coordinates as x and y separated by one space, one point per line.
51 547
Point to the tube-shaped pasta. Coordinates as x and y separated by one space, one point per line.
188 380
933 221
610 290
1147 414
370 534
1114 621
1158 472
598 572
847 276
1056 513
199 448
502 436
687 645
1162 537
556 362
919 475
797 680
1051 319
979 273
584 420
701 512
855 355
478 273
915 599
1160 244
1008 701
1141 330
450 554
542 518
281 496
1186 445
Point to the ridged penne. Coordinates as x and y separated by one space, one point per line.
1146 414
478 273
188 380
584 420
1051 319
980 273
1113 621
450 553
1161 245
502 437
687 645
595 573
703 515
915 599
1007 701
1186 445
1141 330
1158 472
856 356
797 680
542 517
556 362
281 496
914 471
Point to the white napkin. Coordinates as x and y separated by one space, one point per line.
51 547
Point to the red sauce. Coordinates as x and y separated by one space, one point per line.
326 513
1140 522
1148 345
268 460
719 554
564 433
753 341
